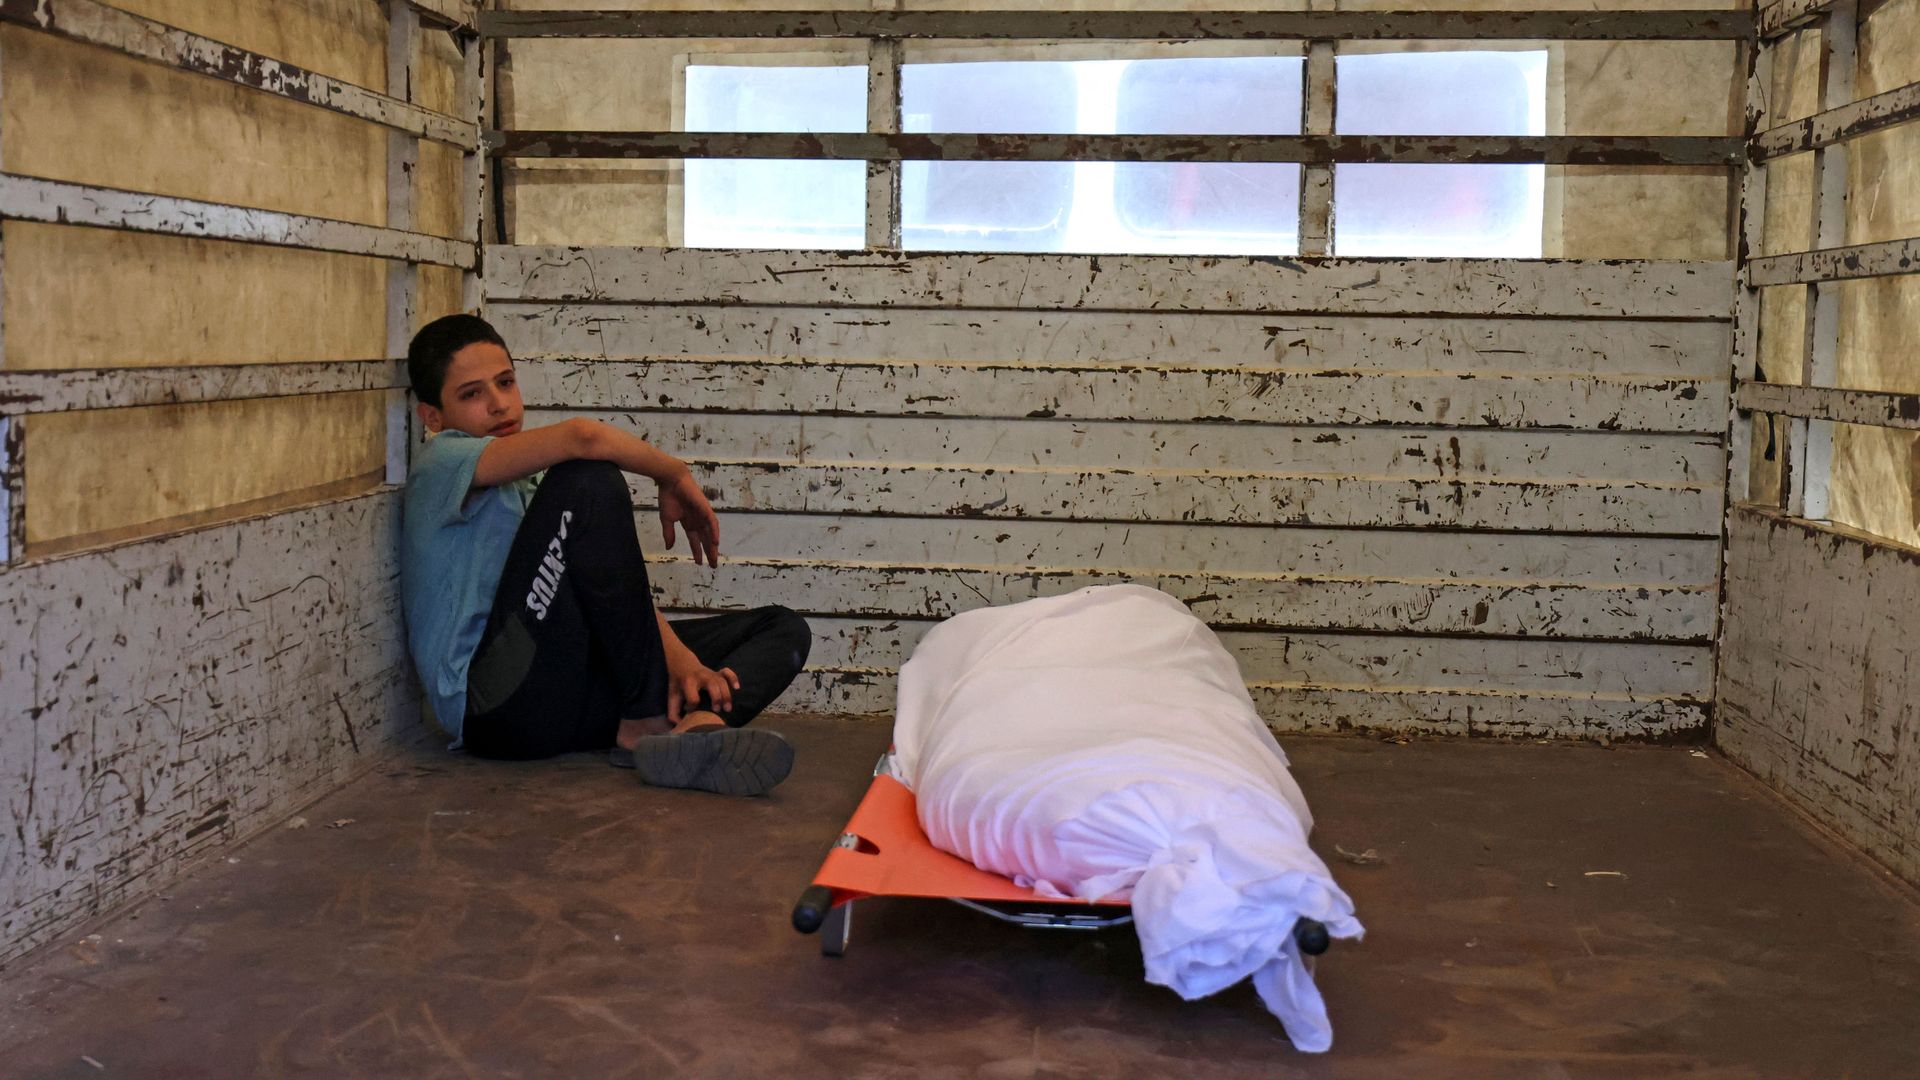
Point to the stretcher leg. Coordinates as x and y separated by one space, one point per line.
835 931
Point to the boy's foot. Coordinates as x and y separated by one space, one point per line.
726 761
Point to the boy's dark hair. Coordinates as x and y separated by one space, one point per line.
433 347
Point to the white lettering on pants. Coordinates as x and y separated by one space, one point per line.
546 582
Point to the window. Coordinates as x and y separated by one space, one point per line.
775 204
1213 208
1450 210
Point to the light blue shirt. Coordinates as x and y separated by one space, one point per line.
453 545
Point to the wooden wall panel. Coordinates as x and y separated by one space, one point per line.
96 298
96 476
83 114
346 39
1817 689
166 699
1429 463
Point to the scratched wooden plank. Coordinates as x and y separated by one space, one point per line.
1682 349
119 388
1357 710
1425 553
1476 287
1277 601
1378 452
1376 661
1165 393
1818 693
171 696
1208 496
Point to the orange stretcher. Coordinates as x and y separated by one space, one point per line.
883 852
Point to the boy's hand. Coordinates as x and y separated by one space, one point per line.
687 685
682 501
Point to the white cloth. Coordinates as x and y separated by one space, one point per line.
1102 744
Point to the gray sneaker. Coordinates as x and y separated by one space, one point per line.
726 761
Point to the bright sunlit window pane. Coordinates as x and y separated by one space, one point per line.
1210 208
985 205
775 204
1440 210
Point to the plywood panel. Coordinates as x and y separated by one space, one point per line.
77 113
95 298
440 294
166 699
438 206
1873 481
99 476
1610 212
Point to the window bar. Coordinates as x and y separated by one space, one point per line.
1316 180
1812 440
883 118
403 278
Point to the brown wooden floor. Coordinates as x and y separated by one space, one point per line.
1538 911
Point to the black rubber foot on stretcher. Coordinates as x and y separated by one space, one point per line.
1311 935
811 911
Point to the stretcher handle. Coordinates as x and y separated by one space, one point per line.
1310 934
811 912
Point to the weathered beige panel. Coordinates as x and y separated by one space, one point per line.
92 476
1883 189
437 205
1476 287
1649 88
1794 92
346 39
1873 481
436 75
166 699
1889 48
1514 558
1421 454
96 298
440 292
1277 601
1817 691
573 331
1612 212
86 115
1789 209
1173 393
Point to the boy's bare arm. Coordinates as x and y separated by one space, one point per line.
511 457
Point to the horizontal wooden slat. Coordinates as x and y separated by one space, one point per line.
32 199
1515 558
1376 661
1272 601
1786 16
1152 393
1209 496
1871 407
117 388
1610 346
1270 286
1412 453
1897 106
1128 25
1316 709
1883 259
108 27
452 14
965 146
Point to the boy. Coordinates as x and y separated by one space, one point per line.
528 611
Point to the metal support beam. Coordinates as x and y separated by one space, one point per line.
1130 25
29 392
1810 470
1323 149
883 118
98 24
1837 125
1316 180
55 202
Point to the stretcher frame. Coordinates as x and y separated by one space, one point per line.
882 852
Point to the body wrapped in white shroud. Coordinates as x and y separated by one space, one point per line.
1102 745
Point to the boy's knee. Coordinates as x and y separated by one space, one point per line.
590 479
791 630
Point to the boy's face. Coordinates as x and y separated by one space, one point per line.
480 396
